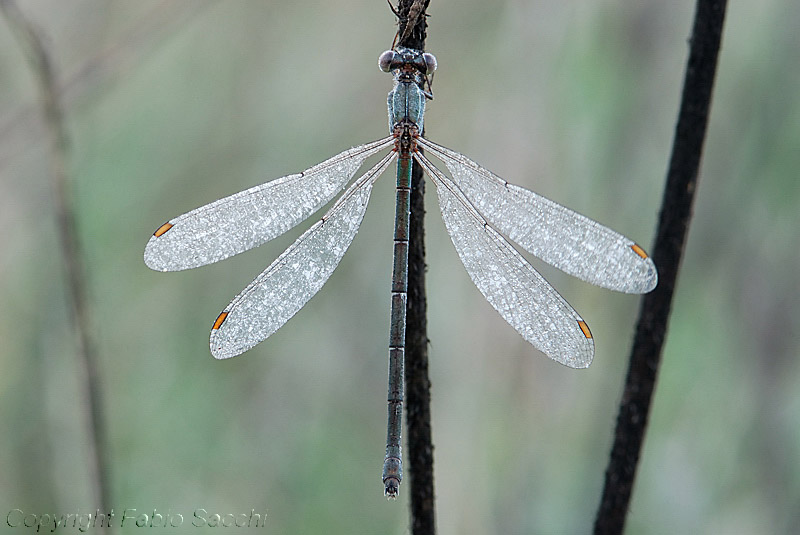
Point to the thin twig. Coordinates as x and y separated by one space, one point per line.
33 46
162 21
412 33
673 226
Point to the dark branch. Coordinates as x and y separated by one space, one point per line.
411 34
673 225
412 26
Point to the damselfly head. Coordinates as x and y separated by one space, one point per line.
400 57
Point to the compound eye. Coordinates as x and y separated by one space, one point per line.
430 63
385 60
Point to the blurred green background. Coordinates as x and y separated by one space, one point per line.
172 104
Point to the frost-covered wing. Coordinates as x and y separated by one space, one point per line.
512 286
252 217
293 278
561 237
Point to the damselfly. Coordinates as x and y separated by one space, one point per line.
477 207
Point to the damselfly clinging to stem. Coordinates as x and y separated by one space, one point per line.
476 205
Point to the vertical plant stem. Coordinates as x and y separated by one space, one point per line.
412 32
41 64
673 226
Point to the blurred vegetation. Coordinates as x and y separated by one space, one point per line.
172 104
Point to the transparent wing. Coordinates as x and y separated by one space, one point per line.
512 286
282 289
565 239
252 217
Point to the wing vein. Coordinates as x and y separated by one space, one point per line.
559 236
254 216
287 284
511 285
